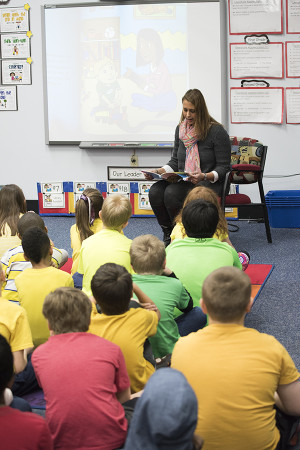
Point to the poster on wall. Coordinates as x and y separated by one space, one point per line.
8 98
144 202
118 188
15 46
259 16
256 61
292 96
53 200
292 50
14 19
80 186
256 105
293 16
16 72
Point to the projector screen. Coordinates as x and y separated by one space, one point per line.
116 73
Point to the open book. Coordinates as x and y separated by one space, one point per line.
165 176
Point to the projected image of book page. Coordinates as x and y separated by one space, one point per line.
122 77
256 105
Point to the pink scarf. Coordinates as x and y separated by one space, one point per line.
189 138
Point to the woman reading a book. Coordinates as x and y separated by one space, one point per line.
201 149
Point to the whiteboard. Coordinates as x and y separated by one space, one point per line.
116 72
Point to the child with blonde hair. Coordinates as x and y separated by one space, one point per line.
109 244
88 221
221 233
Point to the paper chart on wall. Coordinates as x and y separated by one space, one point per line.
8 98
16 72
292 105
256 105
53 200
256 61
259 16
14 19
293 16
118 188
15 46
292 59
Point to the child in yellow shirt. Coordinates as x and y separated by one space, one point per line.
128 328
88 221
34 284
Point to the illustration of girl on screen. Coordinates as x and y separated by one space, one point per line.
157 85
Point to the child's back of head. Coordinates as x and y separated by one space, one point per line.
116 211
30 220
112 288
147 255
207 194
87 210
68 310
200 219
36 245
226 293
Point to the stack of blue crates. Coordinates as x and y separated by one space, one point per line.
283 209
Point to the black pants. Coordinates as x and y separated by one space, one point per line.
287 426
166 200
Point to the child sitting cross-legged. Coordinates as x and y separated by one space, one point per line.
204 193
199 254
238 374
127 327
148 259
18 430
14 261
109 244
34 284
83 377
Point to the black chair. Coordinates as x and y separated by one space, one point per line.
248 157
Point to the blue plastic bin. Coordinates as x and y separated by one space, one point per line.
283 209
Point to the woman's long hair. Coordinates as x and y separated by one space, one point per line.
82 215
210 196
203 120
12 204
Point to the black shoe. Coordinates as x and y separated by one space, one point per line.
167 235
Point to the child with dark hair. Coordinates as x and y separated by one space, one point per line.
15 263
12 207
221 233
157 84
196 256
34 284
238 374
112 289
18 430
82 411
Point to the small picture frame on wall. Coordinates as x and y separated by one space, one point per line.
8 98
15 46
17 72
14 20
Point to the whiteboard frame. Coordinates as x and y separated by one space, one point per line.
223 62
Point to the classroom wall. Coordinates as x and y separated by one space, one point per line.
26 159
